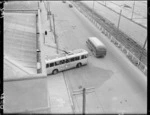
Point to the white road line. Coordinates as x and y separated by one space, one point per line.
68 92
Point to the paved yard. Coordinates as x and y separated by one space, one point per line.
25 95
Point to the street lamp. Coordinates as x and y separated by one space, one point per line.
119 18
93 9
132 10
143 49
49 12
120 15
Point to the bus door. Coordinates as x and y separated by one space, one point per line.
68 63
60 65
63 64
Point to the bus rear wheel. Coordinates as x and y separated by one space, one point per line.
79 65
55 71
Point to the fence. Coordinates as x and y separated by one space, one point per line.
113 40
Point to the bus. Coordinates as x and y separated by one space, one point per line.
65 61
96 46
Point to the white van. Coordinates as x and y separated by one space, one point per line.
96 46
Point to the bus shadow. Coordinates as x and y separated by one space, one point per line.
90 75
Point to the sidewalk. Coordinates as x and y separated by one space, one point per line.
58 97
58 94
47 45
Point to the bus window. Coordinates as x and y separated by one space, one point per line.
72 59
83 56
57 63
67 60
51 64
47 65
62 61
76 58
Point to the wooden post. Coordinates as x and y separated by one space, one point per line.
84 100
132 10
93 9
55 37
119 18
49 13
143 49
83 92
54 27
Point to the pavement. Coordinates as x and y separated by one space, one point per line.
59 100
48 94
58 94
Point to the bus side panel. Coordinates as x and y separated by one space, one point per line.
93 50
89 46
49 70
85 61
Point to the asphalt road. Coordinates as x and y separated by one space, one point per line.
119 87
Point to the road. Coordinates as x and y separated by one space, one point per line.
119 87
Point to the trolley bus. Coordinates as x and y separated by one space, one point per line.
96 46
65 61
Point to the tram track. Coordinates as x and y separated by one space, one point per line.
123 38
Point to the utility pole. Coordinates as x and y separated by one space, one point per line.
83 91
49 14
119 18
132 10
54 28
84 101
143 49
55 32
93 9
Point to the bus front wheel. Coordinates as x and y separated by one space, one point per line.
79 65
55 71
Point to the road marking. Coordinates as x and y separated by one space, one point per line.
72 105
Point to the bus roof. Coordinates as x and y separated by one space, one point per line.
96 42
64 55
